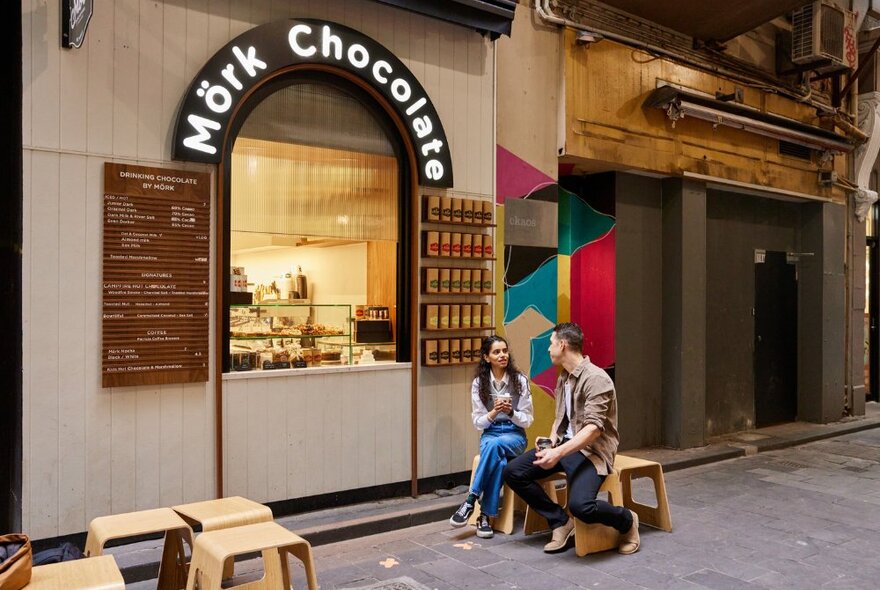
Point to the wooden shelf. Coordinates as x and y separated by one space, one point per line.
465 352
459 223
475 294
456 258
440 331
444 365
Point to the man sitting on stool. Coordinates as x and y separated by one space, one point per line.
584 440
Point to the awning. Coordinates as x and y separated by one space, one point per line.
492 17
679 104
717 21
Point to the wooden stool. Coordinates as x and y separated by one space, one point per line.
630 467
224 513
503 523
214 548
172 568
97 573
593 538
534 522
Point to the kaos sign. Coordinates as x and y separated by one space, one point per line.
259 54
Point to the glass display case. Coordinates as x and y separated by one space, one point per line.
271 336
362 353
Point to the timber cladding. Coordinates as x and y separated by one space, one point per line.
606 85
155 276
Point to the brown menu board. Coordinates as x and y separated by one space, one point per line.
156 275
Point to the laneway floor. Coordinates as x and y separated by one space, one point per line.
802 517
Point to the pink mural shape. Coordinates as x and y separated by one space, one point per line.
592 297
546 380
516 178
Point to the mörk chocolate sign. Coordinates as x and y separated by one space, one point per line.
261 53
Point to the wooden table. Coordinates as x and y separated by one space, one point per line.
224 513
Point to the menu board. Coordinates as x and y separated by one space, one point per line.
156 276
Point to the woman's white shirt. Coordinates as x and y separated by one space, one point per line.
522 414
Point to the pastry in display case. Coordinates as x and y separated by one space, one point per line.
285 336
360 353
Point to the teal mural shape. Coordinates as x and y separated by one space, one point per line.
591 224
540 358
537 290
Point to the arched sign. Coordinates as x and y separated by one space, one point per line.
247 60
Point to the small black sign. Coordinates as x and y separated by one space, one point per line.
75 17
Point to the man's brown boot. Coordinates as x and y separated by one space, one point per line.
561 535
630 541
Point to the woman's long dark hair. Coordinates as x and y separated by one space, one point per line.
484 369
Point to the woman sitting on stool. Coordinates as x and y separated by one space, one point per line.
502 410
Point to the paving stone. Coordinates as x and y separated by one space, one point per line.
456 574
585 576
717 580
520 575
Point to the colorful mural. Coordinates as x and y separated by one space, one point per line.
573 281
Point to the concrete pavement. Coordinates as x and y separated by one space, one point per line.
799 517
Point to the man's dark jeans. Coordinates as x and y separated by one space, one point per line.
583 487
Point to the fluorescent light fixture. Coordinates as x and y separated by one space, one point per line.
679 104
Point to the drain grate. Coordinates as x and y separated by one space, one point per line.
402 583
790 465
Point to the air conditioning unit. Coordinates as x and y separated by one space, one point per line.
822 32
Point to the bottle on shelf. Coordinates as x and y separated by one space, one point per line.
302 285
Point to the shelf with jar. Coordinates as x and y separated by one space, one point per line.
446 317
458 246
457 281
450 351
277 335
458 211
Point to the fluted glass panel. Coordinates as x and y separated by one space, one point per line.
312 163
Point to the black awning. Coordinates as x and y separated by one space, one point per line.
492 17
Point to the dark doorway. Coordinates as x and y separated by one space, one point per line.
11 286
775 339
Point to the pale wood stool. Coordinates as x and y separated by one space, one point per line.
630 467
214 548
97 573
593 538
172 568
534 522
224 513
503 523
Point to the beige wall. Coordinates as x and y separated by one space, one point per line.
529 91
90 451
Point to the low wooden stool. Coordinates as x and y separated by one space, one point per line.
224 513
214 548
503 523
97 573
534 522
172 568
593 538
633 467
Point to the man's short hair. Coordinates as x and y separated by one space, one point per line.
572 334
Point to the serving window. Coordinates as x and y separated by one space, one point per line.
315 234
